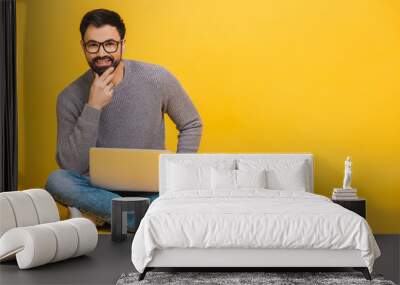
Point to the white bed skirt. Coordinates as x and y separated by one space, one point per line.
193 257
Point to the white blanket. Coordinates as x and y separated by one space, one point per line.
250 218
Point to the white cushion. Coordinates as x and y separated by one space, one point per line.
40 244
282 174
23 208
87 235
45 205
223 179
7 218
189 174
251 178
188 177
228 179
67 237
26 208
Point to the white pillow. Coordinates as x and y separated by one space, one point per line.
282 174
188 177
223 179
251 178
236 179
290 179
194 173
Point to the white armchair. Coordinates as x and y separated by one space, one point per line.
31 232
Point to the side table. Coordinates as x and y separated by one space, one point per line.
357 205
119 216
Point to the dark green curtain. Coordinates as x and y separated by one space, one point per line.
8 99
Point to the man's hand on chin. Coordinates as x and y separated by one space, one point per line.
101 90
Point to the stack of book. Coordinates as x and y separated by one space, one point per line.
344 194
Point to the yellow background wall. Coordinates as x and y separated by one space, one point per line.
266 76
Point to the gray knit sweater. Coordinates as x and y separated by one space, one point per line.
133 119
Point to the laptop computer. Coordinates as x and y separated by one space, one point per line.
123 169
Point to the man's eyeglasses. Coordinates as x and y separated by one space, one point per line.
109 46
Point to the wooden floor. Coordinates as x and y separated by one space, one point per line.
110 259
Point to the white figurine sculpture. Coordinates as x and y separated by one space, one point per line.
347 174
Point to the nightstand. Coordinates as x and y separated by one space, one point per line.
357 205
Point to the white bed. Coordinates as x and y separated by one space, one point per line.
193 225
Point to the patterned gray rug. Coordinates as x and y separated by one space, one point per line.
269 278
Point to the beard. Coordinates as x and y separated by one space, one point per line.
100 69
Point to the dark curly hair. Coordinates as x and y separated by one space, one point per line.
101 17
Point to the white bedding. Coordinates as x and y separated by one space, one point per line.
250 218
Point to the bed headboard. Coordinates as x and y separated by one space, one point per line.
165 158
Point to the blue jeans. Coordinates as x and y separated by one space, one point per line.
75 190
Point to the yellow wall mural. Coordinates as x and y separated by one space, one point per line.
266 76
